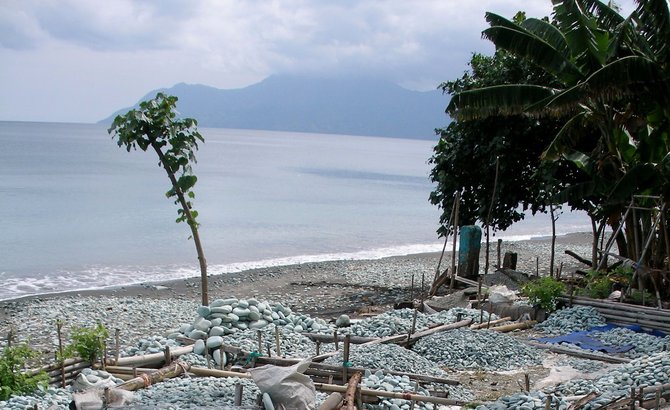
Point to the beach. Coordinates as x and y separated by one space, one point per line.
321 289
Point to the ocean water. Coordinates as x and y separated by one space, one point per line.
78 212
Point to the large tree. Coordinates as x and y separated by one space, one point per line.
155 126
610 88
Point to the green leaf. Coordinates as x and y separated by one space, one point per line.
186 182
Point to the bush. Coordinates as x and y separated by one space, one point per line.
598 286
544 292
88 343
13 376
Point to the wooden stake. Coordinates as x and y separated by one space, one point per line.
168 357
345 363
238 394
259 334
61 358
526 379
318 347
337 345
457 202
117 333
278 341
499 252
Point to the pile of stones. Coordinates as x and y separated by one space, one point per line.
393 383
570 320
477 350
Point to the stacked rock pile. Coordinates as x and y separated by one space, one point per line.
394 383
644 372
570 320
643 344
477 349
525 401
396 358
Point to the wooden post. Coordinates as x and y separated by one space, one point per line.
411 291
547 404
239 388
632 398
61 358
345 355
168 356
526 379
278 341
117 333
259 334
337 345
499 250
479 300
457 203
318 347
537 266
411 331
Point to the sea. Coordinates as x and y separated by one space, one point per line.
78 212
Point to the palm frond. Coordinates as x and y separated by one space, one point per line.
496 100
607 17
587 42
498 20
632 75
636 180
549 33
533 48
565 140
653 20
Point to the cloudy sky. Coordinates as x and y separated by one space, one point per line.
80 60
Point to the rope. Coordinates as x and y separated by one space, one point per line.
146 380
181 364
253 355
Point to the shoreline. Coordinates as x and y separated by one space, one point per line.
250 282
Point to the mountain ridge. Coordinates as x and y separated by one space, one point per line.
349 106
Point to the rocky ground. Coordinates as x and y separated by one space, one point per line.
310 296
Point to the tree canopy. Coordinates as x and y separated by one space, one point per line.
601 80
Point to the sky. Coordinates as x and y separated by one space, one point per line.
81 60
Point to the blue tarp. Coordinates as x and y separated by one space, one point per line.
585 340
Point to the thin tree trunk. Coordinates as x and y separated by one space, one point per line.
488 216
191 223
553 240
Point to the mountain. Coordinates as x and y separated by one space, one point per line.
332 106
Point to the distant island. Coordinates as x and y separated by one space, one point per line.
349 106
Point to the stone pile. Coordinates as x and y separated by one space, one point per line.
644 344
477 350
394 383
525 401
396 358
570 320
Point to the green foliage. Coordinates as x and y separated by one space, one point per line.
88 343
155 125
544 292
637 295
598 285
13 376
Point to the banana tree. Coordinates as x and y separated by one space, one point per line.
609 73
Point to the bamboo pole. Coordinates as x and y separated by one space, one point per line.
619 306
515 326
457 204
154 358
317 337
476 326
580 354
395 395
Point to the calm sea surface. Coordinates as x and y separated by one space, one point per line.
78 212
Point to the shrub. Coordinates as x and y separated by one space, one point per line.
598 286
88 343
13 376
544 292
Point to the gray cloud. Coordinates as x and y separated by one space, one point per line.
124 48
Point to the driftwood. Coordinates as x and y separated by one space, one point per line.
515 326
416 336
581 402
332 402
579 258
489 324
147 379
349 401
317 337
582 355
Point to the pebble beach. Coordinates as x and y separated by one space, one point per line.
296 298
